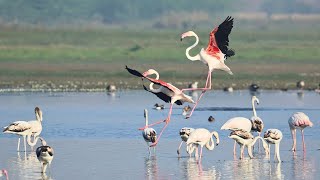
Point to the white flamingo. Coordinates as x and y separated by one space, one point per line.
201 137
149 134
166 92
274 136
298 120
4 173
246 139
215 53
257 123
25 128
184 134
45 155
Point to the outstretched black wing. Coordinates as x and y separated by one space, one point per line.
134 72
222 36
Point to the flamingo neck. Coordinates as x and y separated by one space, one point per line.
196 57
39 116
253 108
151 84
146 116
35 140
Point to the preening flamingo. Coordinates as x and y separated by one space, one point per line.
44 155
246 139
215 53
26 128
4 173
149 134
166 92
274 136
201 137
184 134
298 120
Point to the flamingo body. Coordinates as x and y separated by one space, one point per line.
274 136
237 123
298 120
184 134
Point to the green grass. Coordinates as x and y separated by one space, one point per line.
265 55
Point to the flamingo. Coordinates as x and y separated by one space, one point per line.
274 136
298 120
149 134
4 173
201 137
44 155
257 124
214 55
166 92
184 134
246 139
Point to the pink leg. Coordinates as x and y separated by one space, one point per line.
158 122
207 87
200 154
234 148
303 144
165 126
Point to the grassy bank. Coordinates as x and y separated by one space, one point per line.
272 57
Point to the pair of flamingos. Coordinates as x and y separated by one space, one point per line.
213 56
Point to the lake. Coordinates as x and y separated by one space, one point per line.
95 136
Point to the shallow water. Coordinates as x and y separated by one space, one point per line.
95 136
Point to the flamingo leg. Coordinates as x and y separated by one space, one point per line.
158 122
234 148
165 126
203 89
294 138
303 144
207 87
25 146
200 154
241 151
18 148
259 133
178 151
277 153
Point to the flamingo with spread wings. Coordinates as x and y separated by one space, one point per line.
215 53
166 92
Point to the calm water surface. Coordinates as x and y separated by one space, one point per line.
95 136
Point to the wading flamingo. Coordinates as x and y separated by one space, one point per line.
25 128
44 155
257 123
149 134
298 120
184 134
4 173
274 136
246 139
215 53
201 137
166 92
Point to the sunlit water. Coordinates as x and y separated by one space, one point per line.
95 136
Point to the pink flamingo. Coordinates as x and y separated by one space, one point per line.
167 92
4 172
298 120
214 55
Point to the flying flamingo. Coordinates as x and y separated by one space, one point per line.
4 172
274 136
201 137
149 134
298 120
166 92
44 155
246 139
214 55
184 134
25 128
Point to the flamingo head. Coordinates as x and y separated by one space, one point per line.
187 34
254 98
38 113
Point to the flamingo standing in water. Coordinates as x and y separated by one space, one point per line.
4 173
44 155
149 134
184 134
298 120
257 123
246 139
166 92
215 53
274 136
201 137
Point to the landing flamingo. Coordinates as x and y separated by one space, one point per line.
214 55
298 120
166 92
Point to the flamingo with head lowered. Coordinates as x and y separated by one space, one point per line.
215 53
166 92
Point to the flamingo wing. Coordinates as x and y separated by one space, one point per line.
221 35
16 127
134 72
163 96
237 123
